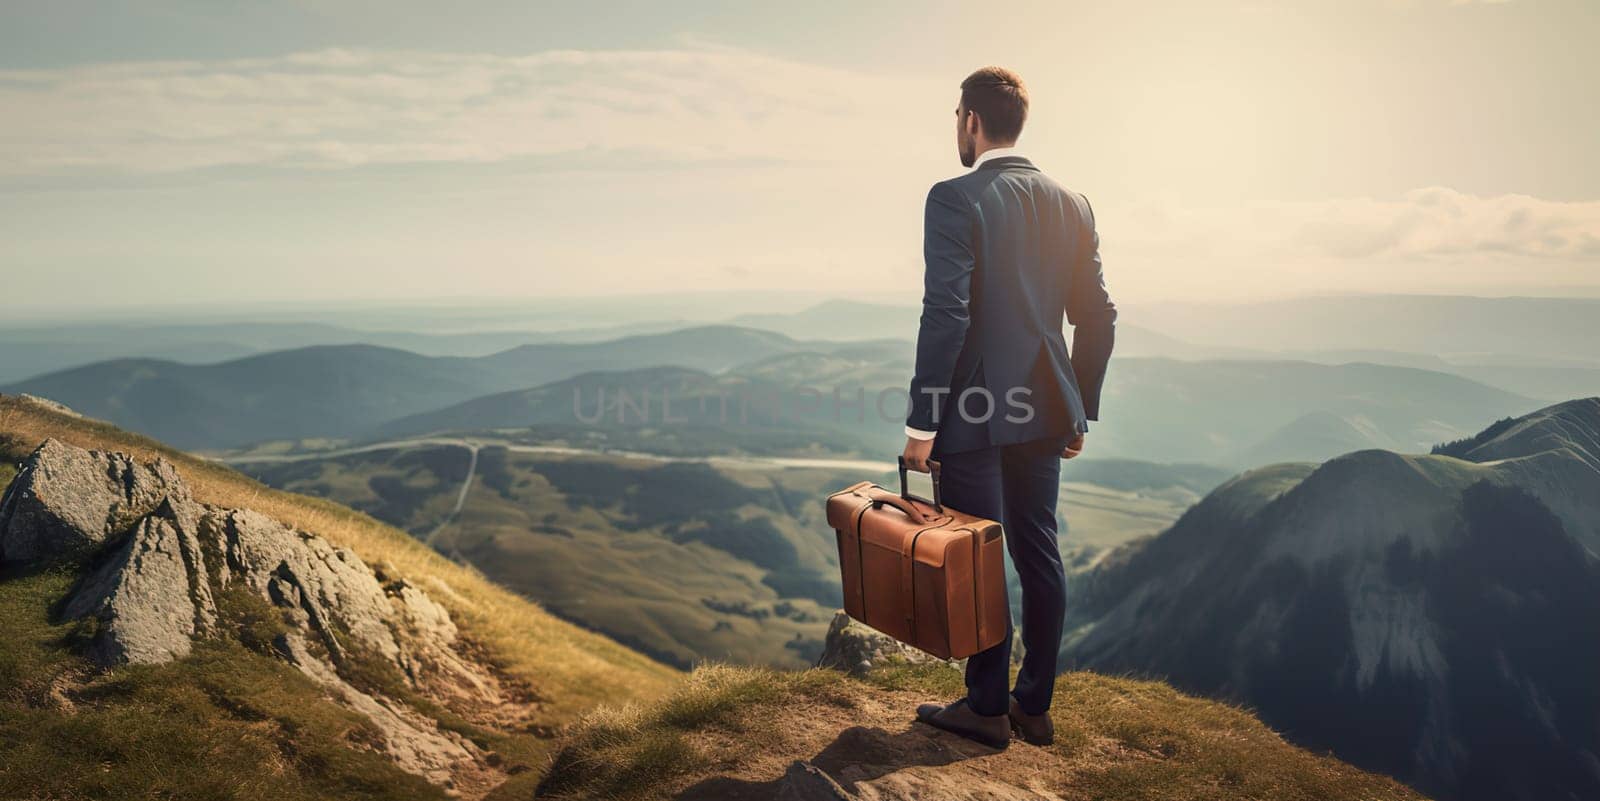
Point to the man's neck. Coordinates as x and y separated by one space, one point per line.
996 152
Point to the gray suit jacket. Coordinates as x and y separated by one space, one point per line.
1009 253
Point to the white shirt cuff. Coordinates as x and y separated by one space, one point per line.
917 433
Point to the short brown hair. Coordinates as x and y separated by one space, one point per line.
999 98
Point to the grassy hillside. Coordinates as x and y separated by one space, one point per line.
732 733
224 695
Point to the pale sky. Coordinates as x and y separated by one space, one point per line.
161 152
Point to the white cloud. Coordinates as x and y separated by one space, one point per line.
1437 222
1432 239
344 107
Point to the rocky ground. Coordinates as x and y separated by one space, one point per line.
736 734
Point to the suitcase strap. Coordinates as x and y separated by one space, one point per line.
908 578
861 570
977 588
908 557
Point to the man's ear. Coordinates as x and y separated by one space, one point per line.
973 123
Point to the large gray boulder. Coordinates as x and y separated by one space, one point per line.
321 588
151 597
68 500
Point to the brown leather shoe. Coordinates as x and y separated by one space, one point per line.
1033 729
958 718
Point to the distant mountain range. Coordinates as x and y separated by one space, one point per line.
1247 412
750 390
348 390
1429 617
1539 347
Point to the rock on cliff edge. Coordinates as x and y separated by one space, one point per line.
160 563
857 648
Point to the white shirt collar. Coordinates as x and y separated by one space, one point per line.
994 153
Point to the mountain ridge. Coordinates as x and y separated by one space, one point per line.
1330 597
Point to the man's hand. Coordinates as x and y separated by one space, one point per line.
917 453
1074 448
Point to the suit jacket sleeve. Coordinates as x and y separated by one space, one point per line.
947 285
1093 317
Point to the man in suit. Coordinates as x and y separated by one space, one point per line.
996 399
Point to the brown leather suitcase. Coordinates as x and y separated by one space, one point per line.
924 574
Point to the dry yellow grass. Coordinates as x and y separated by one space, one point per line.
570 669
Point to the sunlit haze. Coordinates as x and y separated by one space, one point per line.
170 153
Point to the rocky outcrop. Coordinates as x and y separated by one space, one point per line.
150 595
162 566
68 500
856 648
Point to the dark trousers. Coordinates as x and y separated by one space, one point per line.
1016 485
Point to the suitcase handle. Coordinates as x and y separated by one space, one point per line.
884 498
933 473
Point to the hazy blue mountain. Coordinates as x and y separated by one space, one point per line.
324 391
1236 413
1312 436
1429 617
22 358
840 319
31 351
343 391
1534 347
661 410
1549 382
856 320
1230 412
713 348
